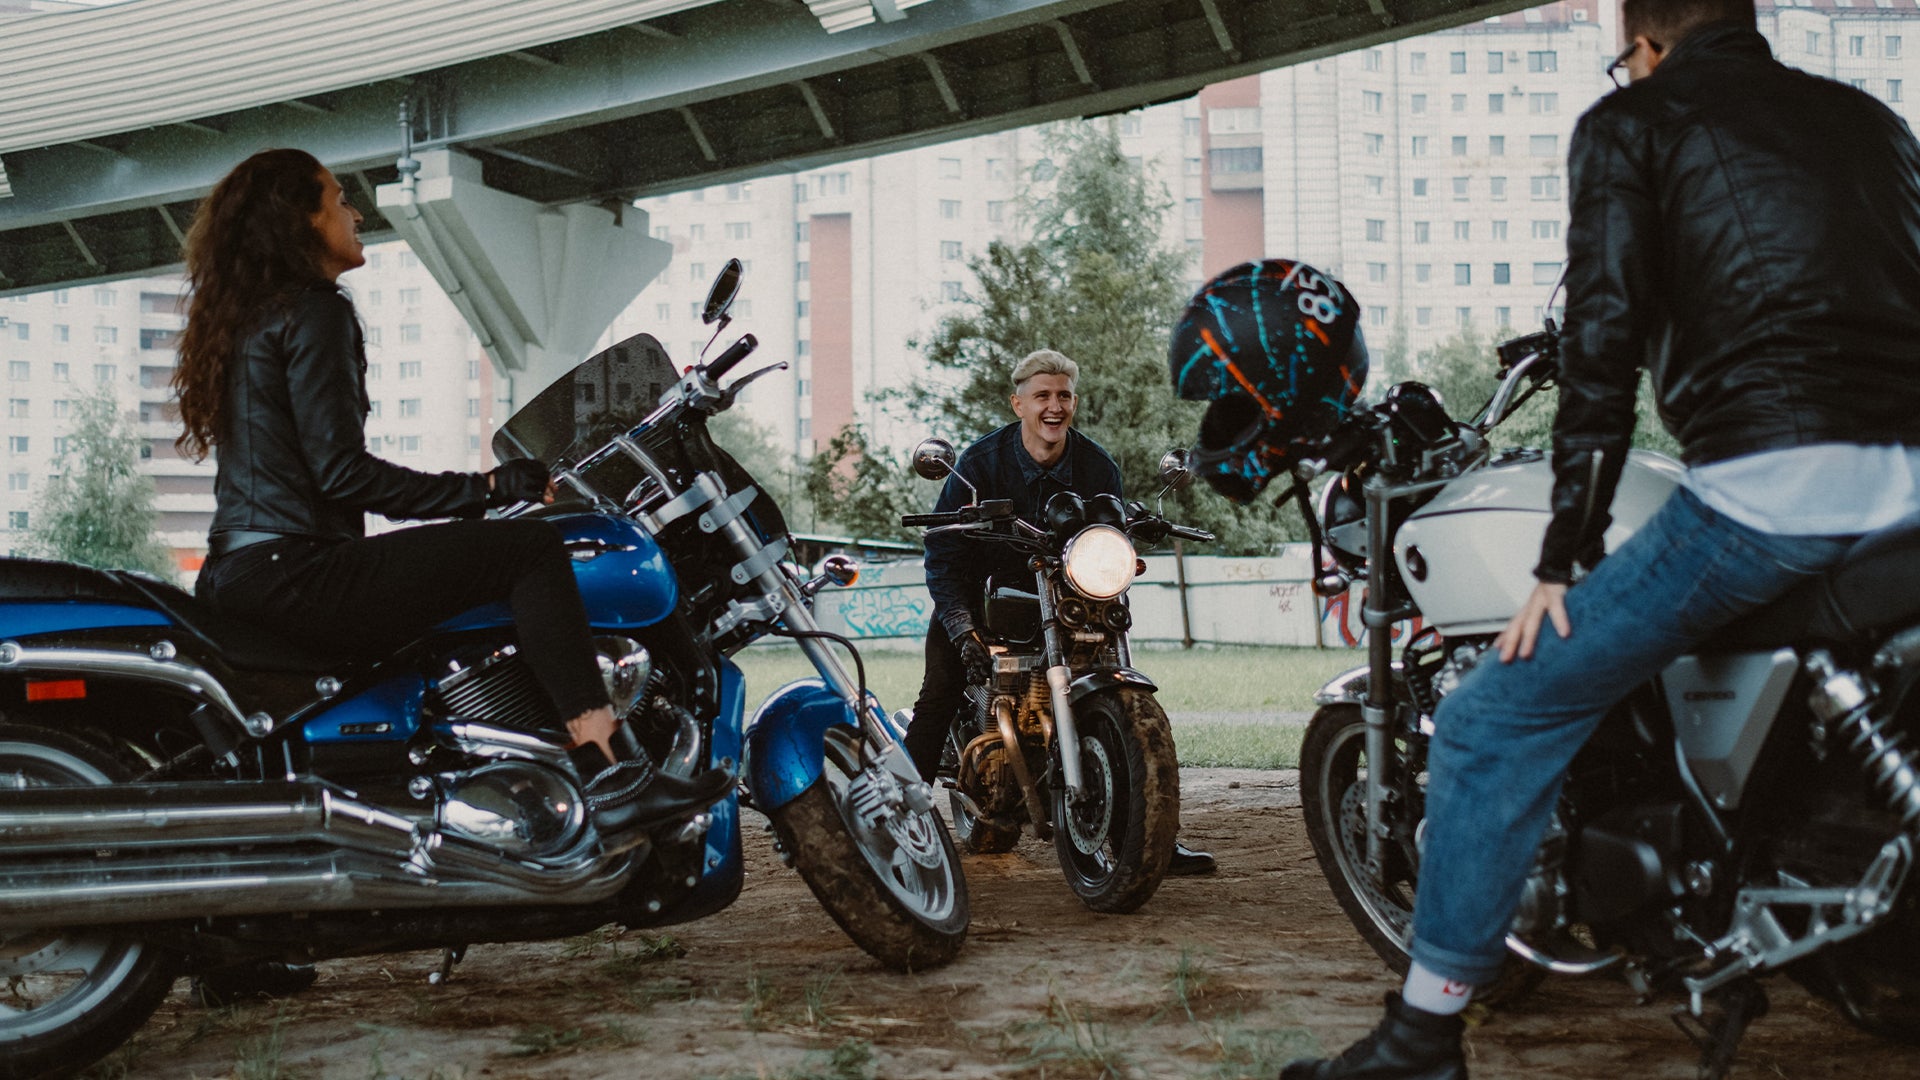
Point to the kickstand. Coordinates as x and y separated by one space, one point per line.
449 956
1718 1032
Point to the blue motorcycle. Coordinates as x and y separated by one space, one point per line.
181 792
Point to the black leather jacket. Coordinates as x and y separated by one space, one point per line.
293 453
1750 234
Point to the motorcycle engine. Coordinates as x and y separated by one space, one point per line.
500 688
521 809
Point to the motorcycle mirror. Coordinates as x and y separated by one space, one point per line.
840 570
1176 468
1332 583
933 459
726 286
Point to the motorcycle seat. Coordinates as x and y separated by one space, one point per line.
242 645
1873 591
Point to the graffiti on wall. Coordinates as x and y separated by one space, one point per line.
888 611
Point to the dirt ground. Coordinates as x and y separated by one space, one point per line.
1227 976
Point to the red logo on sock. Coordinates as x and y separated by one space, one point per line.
1456 989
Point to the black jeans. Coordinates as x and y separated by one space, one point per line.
942 694
369 597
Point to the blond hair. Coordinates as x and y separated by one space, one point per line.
1044 362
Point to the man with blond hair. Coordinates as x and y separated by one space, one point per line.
1028 461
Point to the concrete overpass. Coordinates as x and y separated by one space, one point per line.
552 117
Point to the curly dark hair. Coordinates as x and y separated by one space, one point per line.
251 249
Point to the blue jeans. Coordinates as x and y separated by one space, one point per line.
1503 741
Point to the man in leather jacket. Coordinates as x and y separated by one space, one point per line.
1028 461
1750 235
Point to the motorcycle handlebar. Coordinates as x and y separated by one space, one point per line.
1198 536
1341 449
735 353
916 521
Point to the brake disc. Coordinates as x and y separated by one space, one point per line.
1088 822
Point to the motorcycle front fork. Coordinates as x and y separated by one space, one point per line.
1059 682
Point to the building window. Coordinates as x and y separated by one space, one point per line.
21 331
950 209
1460 191
997 209
1546 273
802 231
1497 104
1497 188
1376 229
800 191
1423 316
739 230
1545 187
1417 104
409 297
106 335
409 369
1375 144
1371 101
1190 126
1463 230
17 481
1856 46
1240 160
1503 318
1503 275
63 333
1496 62
409 333
739 192
409 407
1813 42
1376 185
1893 90
1422 232
63 297
1500 227
62 408
373 372
1194 209
1546 230
1457 63
1543 104
1463 273
1370 60
1543 60
1245 120
1417 63
802 270
373 335
19 370
1422 273
1892 45
802 309
1377 273
105 297
833 183
17 408
409 444
1857 84
1463 317
1459 146
16 519
1419 187
951 291
696 233
17 444
803 347
1459 103
1496 146
105 373
1419 146
374 409
1376 316
1543 145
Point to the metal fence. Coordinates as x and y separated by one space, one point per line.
1201 599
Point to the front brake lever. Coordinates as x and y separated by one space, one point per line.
727 396
963 526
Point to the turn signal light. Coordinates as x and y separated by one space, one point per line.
1139 567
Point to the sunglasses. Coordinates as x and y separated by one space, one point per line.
1620 63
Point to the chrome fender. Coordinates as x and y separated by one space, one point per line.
1107 679
786 740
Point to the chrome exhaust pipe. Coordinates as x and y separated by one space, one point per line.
131 853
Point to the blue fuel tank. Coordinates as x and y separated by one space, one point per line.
624 577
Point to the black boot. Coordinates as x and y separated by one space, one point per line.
1187 862
1409 1044
631 796
262 979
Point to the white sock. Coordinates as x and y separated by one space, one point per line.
1432 992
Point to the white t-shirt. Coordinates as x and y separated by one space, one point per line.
1826 489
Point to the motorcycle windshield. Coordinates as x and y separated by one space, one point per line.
606 395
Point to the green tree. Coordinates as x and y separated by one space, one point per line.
867 489
1096 282
98 508
775 471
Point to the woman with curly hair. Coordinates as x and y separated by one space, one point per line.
272 376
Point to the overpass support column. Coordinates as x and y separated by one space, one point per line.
537 284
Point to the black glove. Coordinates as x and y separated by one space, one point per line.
975 657
519 480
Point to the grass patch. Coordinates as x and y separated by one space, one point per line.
1188 980
1067 1042
260 1056
1212 744
1228 678
1245 1053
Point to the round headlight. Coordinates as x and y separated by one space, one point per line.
1099 562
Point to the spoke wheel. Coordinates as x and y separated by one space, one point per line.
68 998
1115 841
890 877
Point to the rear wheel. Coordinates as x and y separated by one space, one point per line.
890 877
70 996
1115 842
1333 793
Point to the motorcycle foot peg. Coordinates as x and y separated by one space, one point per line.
448 958
967 801
695 828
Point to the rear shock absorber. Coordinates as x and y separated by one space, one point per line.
1844 701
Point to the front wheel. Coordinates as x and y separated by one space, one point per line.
1333 793
1114 843
889 876
70 996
